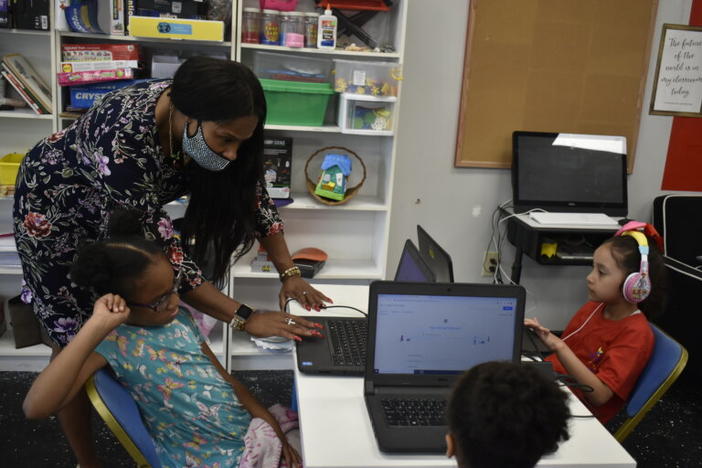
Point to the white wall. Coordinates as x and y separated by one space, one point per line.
455 204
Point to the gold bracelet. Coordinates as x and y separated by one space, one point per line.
290 272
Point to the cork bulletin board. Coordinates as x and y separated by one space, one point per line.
568 66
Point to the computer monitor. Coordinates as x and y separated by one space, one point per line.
438 260
411 267
569 172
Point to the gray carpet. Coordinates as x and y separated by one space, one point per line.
669 437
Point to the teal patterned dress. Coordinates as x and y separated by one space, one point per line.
189 409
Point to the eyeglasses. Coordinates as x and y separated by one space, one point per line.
161 302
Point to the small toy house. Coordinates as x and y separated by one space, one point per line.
336 169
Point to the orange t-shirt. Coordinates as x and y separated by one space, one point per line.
616 351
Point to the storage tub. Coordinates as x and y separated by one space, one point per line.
9 167
369 78
366 115
295 103
287 67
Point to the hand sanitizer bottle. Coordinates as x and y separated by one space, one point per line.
326 30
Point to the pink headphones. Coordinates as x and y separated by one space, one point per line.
637 286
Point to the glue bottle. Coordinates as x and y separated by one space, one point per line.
326 27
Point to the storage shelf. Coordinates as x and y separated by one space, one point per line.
29 32
243 346
7 347
143 39
303 128
305 201
25 114
334 269
10 270
305 50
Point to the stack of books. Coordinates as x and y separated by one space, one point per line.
26 81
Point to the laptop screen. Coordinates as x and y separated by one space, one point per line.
438 260
411 267
442 334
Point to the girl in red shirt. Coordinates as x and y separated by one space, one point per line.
608 342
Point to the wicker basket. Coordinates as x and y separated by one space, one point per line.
350 192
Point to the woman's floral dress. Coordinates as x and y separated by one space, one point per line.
70 183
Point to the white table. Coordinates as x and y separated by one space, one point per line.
336 430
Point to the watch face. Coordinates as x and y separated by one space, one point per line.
244 311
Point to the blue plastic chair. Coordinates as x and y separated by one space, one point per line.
117 408
664 367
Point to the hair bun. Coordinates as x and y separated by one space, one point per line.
126 222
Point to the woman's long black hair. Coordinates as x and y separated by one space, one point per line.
221 214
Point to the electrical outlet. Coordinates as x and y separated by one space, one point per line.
489 263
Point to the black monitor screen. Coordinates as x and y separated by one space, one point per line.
569 172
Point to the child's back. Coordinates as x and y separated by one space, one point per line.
187 406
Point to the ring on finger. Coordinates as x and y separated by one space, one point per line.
304 293
290 321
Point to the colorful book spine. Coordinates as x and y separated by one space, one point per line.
96 76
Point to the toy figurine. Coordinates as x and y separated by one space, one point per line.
335 171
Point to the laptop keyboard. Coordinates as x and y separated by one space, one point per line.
348 339
414 412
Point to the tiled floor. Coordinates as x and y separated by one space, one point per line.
669 437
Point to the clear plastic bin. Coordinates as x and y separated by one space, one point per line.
287 67
366 115
368 78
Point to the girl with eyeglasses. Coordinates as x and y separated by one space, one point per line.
194 410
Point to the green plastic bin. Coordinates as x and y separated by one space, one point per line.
296 103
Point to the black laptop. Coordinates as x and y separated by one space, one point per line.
421 338
343 350
438 260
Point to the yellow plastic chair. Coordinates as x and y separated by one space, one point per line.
117 408
666 364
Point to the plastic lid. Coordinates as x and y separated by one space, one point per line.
310 253
271 12
295 87
252 10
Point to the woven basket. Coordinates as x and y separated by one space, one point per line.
350 191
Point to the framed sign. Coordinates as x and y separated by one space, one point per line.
677 89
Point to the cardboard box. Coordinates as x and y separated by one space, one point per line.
83 97
96 76
277 166
30 14
5 14
25 326
92 52
198 30
68 67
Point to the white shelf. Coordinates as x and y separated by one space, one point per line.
144 39
25 113
302 128
305 50
7 347
333 269
29 32
304 201
10 270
